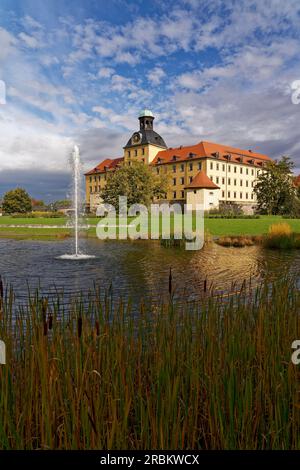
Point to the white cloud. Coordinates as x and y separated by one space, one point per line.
156 75
105 72
30 41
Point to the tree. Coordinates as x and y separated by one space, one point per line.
61 204
275 189
136 181
16 200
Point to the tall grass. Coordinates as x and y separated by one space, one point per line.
212 375
280 236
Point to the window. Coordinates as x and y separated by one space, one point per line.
241 195
228 193
217 180
211 193
252 172
252 196
190 179
218 166
235 169
135 153
234 195
174 181
247 171
99 189
199 166
174 168
143 151
182 180
128 153
234 182
229 181
223 180
247 183
157 171
212 178
182 167
91 189
190 166
252 184
174 194
246 195
95 189
241 182
182 194
223 167
241 170
91 179
211 165
223 193
229 168
95 178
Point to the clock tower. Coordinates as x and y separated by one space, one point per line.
144 144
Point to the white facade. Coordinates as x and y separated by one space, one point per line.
208 197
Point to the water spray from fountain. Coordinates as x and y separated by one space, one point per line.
76 170
76 174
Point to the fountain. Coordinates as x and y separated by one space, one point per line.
76 169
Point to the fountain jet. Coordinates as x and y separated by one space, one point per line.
76 169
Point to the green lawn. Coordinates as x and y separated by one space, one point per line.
7 220
216 227
220 227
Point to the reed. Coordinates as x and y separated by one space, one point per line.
211 375
280 236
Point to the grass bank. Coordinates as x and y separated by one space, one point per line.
216 227
206 376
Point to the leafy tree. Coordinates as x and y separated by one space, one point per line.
275 190
17 200
61 204
136 181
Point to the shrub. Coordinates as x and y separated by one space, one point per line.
280 236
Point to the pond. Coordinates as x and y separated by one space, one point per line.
137 269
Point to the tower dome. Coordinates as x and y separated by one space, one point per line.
146 113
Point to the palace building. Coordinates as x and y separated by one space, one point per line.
206 172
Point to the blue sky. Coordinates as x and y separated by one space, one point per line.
78 72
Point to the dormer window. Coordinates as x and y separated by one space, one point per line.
174 158
216 154
228 156
191 155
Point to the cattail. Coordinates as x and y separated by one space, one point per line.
79 327
170 282
97 325
1 288
45 328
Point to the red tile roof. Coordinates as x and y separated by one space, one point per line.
107 164
209 150
201 180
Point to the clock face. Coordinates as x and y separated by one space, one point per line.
136 138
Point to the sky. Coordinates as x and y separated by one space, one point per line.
79 72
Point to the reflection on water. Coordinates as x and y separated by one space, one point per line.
137 269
